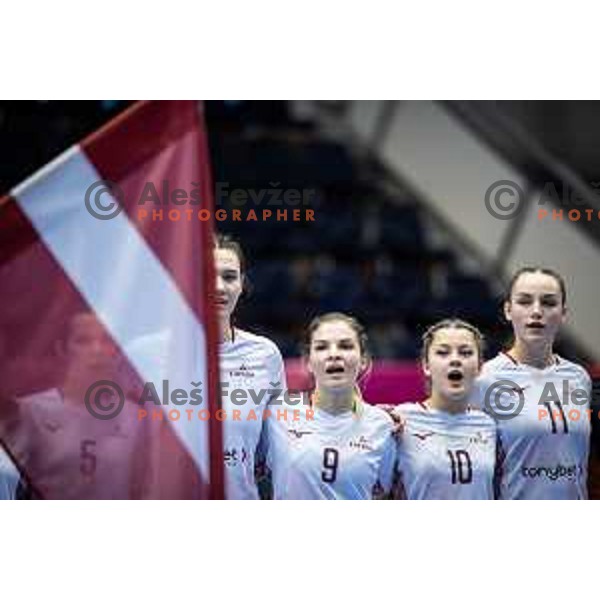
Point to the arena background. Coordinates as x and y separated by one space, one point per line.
400 232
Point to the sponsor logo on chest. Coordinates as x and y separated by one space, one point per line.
479 438
235 456
298 434
362 443
244 371
424 435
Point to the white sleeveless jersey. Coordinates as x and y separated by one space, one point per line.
251 375
545 443
9 477
319 456
444 456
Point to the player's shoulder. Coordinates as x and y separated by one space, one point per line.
500 362
376 414
289 418
40 405
480 418
43 398
377 418
406 409
247 342
567 367
417 412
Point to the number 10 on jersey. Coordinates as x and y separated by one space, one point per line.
460 466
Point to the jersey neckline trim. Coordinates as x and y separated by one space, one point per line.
555 358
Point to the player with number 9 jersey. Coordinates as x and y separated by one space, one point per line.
338 447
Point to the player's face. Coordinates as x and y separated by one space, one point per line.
228 283
453 363
535 308
335 357
89 350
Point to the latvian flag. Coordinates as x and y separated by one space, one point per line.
97 304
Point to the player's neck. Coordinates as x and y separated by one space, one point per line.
225 332
439 402
538 356
75 386
334 402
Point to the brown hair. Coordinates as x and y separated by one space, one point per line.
429 335
226 242
534 269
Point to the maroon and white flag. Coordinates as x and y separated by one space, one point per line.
103 304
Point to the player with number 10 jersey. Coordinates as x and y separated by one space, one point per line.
447 449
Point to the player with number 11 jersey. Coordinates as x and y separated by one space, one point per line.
540 400
546 440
